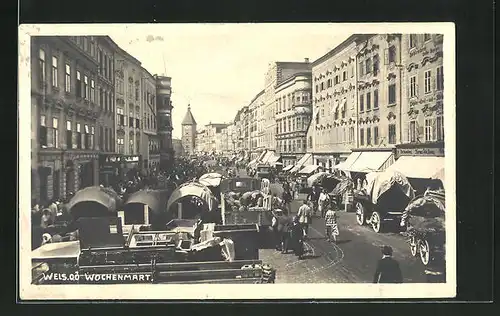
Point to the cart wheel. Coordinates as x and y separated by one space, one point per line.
376 222
413 246
425 252
360 213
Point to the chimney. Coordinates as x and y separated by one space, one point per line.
306 60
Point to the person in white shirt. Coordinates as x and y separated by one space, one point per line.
332 229
304 215
323 201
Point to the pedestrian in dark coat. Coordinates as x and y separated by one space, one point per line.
388 270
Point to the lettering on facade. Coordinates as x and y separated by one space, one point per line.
424 51
423 100
437 152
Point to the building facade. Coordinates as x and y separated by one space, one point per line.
423 86
333 130
214 137
201 139
293 111
129 112
277 73
164 125
189 132
380 92
150 143
255 125
67 114
178 148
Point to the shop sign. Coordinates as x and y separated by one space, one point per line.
111 158
438 152
131 158
423 100
424 51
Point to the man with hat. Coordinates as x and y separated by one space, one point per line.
388 270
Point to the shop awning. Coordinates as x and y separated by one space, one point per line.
273 159
262 155
370 161
289 167
302 161
345 165
420 167
308 169
267 156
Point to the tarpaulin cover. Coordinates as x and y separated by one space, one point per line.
308 169
152 198
252 163
430 205
210 163
318 178
289 167
262 155
342 187
391 180
58 250
211 179
193 189
101 201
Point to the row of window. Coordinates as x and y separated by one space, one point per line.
433 130
371 65
430 82
333 82
414 39
287 102
368 98
293 145
89 45
299 123
85 86
121 119
134 147
77 136
342 135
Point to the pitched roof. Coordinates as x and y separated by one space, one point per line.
189 118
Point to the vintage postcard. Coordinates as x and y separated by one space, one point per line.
237 161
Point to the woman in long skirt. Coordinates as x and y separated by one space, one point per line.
332 229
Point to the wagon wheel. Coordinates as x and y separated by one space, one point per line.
360 213
376 222
425 252
413 246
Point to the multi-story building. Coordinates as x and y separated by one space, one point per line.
421 153
164 113
276 74
150 143
129 113
293 114
67 114
213 137
201 139
255 125
189 132
333 130
178 148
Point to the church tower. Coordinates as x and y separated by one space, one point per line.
189 132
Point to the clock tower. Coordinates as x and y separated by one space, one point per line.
189 132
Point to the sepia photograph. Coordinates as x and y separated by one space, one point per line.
237 161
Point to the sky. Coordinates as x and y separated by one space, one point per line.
219 68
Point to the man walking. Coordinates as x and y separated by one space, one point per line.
304 216
323 202
388 270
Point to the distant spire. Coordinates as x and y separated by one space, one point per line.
189 118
